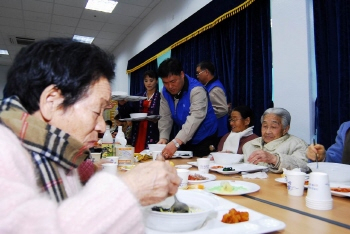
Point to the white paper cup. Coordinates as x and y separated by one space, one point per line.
156 154
95 157
183 174
113 159
110 168
203 165
319 189
295 182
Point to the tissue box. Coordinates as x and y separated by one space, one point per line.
125 154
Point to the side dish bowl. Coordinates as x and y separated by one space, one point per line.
337 172
226 158
156 147
138 115
203 202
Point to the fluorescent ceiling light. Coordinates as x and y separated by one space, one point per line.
101 5
4 52
87 40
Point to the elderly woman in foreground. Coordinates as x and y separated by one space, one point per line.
57 91
276 148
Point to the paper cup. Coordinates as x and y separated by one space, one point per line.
156 154
96 157
203 165
113 159
183 174
110 168
295 182
319 188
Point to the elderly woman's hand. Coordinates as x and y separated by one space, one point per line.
313 150
152 182
262 156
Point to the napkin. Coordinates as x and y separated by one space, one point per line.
256 175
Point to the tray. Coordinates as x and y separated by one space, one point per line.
242 167
149 117
258 222
128 98
178 154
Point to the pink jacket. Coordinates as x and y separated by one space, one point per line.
103 205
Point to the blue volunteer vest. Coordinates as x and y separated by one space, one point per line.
222 121
179 115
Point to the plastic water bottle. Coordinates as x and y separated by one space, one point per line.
120 137
107 143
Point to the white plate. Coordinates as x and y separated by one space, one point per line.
246 167
135 98
118 97
281 180
242 187
258 222
208 176
153 117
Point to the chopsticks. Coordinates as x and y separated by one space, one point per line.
314 141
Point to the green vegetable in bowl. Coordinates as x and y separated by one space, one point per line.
228 169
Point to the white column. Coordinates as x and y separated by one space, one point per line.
294 63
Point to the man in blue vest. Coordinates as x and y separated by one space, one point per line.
185 103
205 74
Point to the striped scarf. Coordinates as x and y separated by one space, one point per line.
49 147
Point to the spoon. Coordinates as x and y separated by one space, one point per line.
179 207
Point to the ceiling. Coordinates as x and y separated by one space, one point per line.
40 19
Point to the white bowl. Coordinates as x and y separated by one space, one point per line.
337 172
119 93
138 115
184 166
182 222
226 158
156 147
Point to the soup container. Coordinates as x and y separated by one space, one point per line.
203 204
226 158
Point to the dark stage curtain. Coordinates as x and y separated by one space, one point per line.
240 49
136 81
332 46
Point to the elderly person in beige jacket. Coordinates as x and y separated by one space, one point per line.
276 149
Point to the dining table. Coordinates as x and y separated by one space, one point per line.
272 199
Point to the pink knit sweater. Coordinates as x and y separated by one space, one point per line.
103 205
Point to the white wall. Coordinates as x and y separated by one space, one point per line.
165 16
294 63
3 74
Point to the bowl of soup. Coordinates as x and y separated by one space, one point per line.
226 158
201 205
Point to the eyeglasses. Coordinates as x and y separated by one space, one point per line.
197 74
234 120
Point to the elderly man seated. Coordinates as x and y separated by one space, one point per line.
276 148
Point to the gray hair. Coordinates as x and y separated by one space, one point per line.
283 113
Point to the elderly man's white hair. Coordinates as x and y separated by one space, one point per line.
283 113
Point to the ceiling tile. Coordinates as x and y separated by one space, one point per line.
69 11
37 16
37 34
62 29
121 19
109 35
67 21
114 28
90 24
57 34
11 22
11 3
143 3
11 13
128 9
102 41
74 3
37 25
85 32
95 15
37 6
